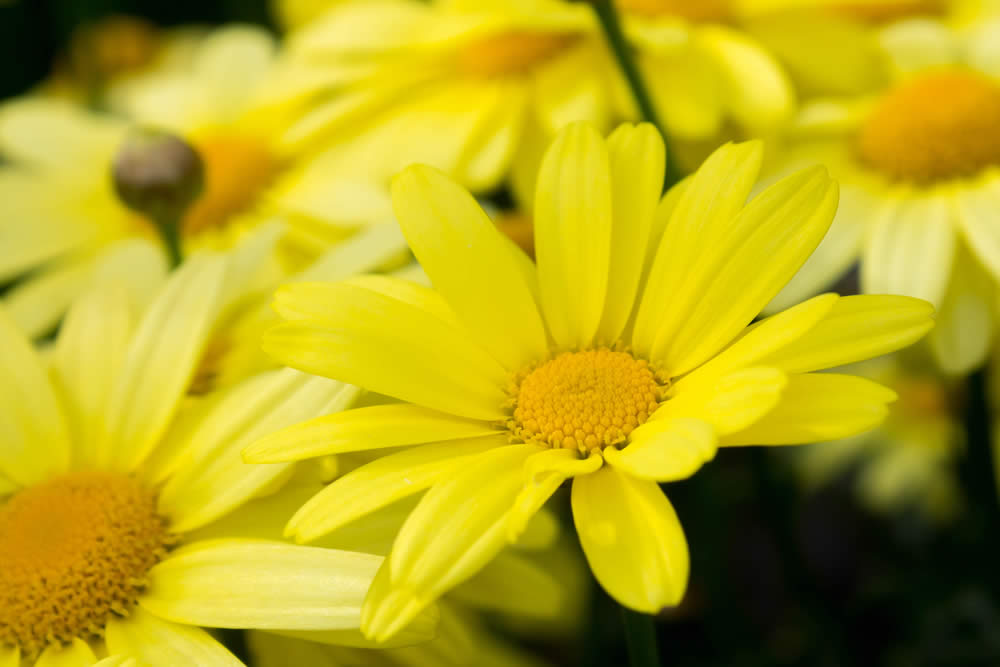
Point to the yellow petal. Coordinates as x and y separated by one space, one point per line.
686 90
766 244
372 338
544 473
977 213
52 133
36 442
467 260
570 87
117 661
37 303
372 427
699 211
77 654
729 403
10 657
260 584
160 362
632 539
818 406
160 643
854 328
665 450
447 538
384 481
963 332
512 584
910 249
214 479
573 234
637 158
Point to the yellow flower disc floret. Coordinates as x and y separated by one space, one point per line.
585 400
934 127
74 551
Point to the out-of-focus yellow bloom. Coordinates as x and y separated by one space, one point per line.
919 165
61 210
625 358
292 14
114 483
910 460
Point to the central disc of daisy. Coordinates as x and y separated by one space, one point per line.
74 551
585 400
935 127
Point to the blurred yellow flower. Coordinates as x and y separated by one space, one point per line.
919 165
628 345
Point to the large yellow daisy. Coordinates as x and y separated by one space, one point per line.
919 165
108 471
61 211
623 359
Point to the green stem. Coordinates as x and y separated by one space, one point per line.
640 637
170 233
607 15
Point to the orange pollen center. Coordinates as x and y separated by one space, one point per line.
585 400
237 171
510 52
935 127
692 10
74 551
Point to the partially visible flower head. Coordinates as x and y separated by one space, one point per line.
624 358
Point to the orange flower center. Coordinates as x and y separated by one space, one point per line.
585 400
935 127
74 551
510 52
692 10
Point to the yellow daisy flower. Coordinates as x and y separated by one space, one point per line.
919 180
625 358
59 158
910 460
108 470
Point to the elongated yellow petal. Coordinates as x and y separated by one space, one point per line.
665 450
117 661
77 654
569 87
910 249
976 213
37 302
215 480
818 406
35 438
454 531
700 211
160 643
637 158
10 656
729 403
260 584
854 328
964 328
765 245
544 473
467 259
384 481
160 361
573 234
632 539
51 133
371 338
513 584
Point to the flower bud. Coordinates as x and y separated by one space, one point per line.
158 174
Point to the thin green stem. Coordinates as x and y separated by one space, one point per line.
607 15
640 637
170 233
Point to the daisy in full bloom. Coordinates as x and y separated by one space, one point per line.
61 211
623 359
910 461
111 479
919 166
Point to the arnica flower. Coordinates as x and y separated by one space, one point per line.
623 359
61 211
909 462
919 165
107 471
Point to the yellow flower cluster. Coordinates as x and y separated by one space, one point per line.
389 282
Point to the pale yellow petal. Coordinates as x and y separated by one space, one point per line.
117 661
573 226
372 338
637 158
77 654
159 643
36 441
818 406
730 402
963 332
48 132
512 584
570 87
467 260
383 481
544 473
686 89
698 212
976 213
260 584
632 539
372 427
38 302
665 450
